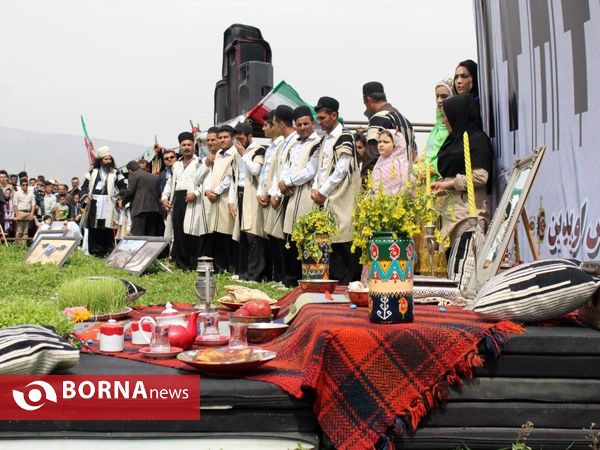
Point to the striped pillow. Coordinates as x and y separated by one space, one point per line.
33 350
539 290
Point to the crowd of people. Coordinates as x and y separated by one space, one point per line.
239 203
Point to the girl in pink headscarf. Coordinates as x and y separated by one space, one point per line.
391 170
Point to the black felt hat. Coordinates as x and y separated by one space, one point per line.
284 113
373 87
329 103
302 111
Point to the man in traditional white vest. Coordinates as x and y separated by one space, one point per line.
183 200
273 258
296 180
100 190
283 122
248 215
336 185
221 223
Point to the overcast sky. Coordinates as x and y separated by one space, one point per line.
136 68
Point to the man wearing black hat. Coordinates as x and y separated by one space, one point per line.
221 223
274 267
296 180
383 116
283 123
182 199
249 224
335 186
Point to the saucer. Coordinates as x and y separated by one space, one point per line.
212 340
148 353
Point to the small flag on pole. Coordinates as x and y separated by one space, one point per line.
88 142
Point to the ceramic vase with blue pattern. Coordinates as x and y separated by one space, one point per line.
391 279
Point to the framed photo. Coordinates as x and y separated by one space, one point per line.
40 233
123 252
136 253
505 218
50 249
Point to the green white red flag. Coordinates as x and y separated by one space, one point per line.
282 94
88 143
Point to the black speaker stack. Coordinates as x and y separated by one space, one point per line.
247 72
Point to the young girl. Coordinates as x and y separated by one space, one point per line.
391 170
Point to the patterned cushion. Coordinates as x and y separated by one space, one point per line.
539 290
34 349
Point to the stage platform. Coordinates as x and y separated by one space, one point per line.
548 375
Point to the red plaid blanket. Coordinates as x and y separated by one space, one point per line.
368 379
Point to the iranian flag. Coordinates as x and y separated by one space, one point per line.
88 142
282 94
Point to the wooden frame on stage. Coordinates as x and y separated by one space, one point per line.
502 227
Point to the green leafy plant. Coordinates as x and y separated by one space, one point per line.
21 310
99 296
404 213
312 230
26 290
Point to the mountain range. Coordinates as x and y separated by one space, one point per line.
56 156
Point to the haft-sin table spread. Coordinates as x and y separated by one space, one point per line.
367 379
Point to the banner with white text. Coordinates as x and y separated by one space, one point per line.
539 72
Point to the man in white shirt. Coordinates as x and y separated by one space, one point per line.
283 122
182 199
335 187
217 191
24 204
295 182
273 267
49 201
244 206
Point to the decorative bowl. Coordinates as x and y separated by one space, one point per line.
320 286
105 317
263 332
359 298
258 358
249 319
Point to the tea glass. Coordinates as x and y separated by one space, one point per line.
210 323
238 338
159 341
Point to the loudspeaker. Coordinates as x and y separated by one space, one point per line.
221 102
247 72
251 47
256 80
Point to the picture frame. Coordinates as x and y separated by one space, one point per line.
39 233
51 249
135 253
491 252
123 252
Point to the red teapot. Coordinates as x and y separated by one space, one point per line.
182 334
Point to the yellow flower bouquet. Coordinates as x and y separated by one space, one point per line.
403 213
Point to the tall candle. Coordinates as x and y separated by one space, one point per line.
469 176
428 189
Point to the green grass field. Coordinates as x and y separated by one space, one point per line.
28 291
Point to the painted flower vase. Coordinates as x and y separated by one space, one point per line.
391 279
316 268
